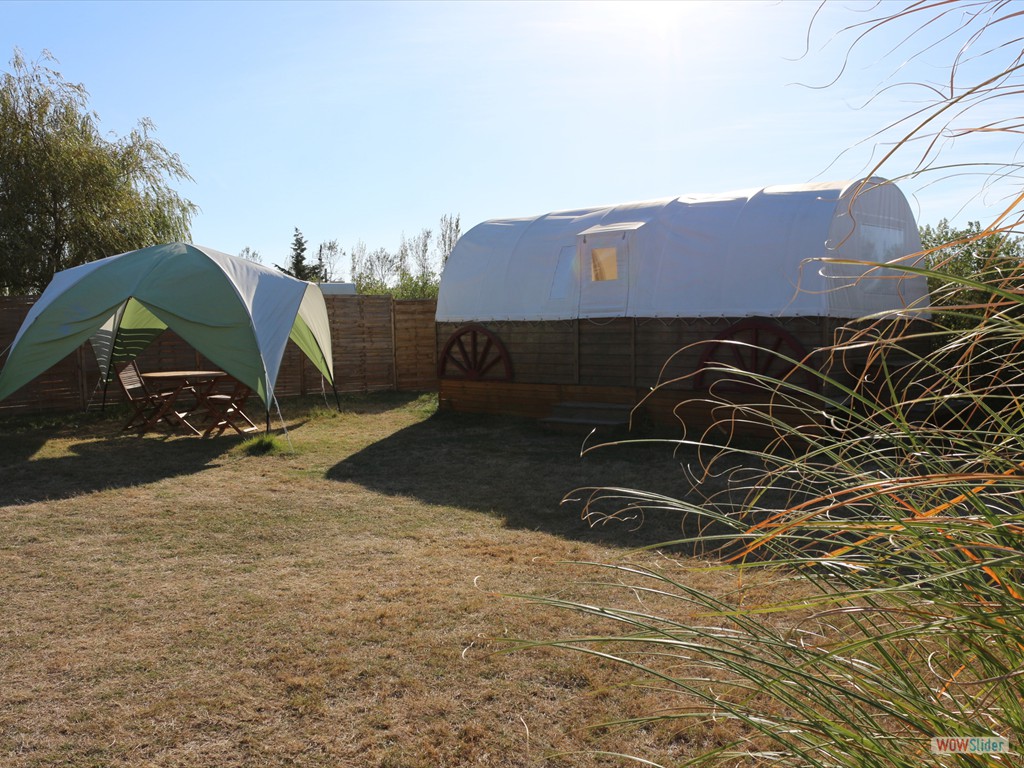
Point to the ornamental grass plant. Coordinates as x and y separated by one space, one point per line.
870 557
888 520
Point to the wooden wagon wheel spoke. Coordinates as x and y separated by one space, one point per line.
493 361
759 348
457 363
737 355
780 346
474 353
752 354
464 355
482 357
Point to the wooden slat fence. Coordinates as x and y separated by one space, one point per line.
620 352
379 344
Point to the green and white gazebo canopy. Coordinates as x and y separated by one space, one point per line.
236 313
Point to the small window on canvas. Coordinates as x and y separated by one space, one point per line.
604 264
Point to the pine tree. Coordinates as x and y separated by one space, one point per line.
297 266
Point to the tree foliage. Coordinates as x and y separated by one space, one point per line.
327 257
447 236
966 251
250 255
374 272
970 253
298 267
414 271
411 272
67 194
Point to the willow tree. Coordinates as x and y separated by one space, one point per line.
68 195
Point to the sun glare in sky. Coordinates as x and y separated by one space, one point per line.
367 120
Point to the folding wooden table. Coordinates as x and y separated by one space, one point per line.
176 384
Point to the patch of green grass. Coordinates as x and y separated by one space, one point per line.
263 445
425 404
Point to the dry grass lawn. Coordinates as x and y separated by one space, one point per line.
181 602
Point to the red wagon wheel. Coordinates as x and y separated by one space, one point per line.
474 353
760 348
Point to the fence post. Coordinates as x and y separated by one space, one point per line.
394 348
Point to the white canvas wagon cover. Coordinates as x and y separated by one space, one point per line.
744 253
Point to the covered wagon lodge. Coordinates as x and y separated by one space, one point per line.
600 305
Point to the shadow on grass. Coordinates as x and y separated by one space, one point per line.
515 470
106 458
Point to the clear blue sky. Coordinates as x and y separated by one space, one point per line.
363 121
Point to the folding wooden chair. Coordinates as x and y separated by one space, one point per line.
225 410
148 408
